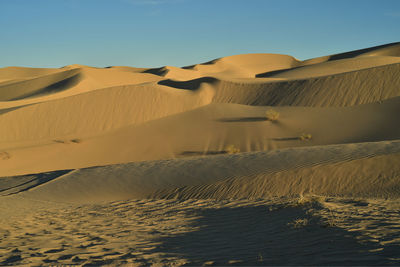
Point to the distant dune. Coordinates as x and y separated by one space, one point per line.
253 127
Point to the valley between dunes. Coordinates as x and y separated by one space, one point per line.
257 159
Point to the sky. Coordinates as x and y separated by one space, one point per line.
154 33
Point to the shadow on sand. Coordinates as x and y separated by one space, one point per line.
286 139
261 236
53 88
15 184
269 74
188 85
243 119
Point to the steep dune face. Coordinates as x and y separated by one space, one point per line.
78 116
338 90
63 82
46 84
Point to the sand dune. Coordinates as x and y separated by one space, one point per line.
331 67
392 49
211 129
125 165
238 176
46 84
17 73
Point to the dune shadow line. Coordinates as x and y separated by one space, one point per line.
274 72
162 71
16 184
243 119
53 88
188 85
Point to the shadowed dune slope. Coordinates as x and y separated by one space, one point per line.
65 82
46 84
344 89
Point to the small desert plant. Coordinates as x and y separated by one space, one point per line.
305 137
308 200
272 115
231 149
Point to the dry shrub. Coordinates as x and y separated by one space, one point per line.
305 137
231 149
272 115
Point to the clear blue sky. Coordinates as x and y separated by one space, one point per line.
151 33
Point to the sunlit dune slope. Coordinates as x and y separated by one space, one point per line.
208 130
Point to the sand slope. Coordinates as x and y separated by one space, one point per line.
306 170
207 130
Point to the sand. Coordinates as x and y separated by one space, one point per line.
257 159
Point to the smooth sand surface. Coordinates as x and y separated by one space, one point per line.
257 159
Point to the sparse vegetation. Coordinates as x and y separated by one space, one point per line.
76 141
331 220
309 199
231 149
272 115
305 137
